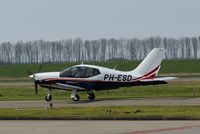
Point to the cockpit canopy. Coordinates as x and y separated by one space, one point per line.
80 72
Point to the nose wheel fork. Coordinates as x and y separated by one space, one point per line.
48 97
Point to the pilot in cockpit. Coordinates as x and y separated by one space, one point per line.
76 73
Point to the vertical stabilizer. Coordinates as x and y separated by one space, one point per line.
151 64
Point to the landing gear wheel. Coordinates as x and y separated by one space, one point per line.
76 98
48 97
91 96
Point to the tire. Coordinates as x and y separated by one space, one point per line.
91 96
76 98
48 98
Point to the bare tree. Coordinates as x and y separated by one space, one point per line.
40 51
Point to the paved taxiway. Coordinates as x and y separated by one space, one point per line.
104 102
99 127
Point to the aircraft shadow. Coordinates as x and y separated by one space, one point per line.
110 99
84 101
98 100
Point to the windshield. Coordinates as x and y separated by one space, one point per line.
80 72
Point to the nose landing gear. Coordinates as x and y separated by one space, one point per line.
48 97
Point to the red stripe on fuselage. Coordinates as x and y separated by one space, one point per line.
153 71
80 80
150 77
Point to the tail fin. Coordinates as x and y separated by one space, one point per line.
151 64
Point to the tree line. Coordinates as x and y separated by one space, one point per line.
72 50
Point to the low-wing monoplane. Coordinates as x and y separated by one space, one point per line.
88 78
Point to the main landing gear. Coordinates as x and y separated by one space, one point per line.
74 95
91 95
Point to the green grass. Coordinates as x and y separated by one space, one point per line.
173 89
110 113
172 67
180 66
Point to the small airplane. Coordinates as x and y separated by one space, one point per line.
88 78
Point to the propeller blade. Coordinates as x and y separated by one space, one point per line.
32 75
40 68
29 72
36 88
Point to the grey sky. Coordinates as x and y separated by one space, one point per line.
93 19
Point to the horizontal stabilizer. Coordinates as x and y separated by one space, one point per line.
161 79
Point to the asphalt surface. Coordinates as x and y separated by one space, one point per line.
109 102
99 127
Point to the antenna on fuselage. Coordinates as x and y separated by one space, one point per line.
82 62
115 67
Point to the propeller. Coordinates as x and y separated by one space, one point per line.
29 72
36 88
40 68
32 75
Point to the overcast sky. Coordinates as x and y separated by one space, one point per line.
94 19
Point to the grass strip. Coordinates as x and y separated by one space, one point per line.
173 89
104 113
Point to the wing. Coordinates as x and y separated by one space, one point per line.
68 87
